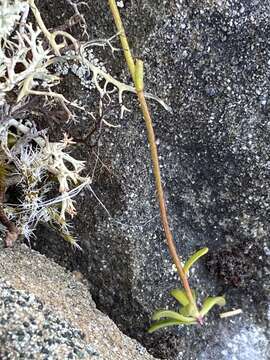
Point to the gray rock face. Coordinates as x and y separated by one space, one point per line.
211 61
48 313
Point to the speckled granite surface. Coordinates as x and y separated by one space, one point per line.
48 313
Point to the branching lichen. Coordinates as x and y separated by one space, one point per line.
30 55
39 165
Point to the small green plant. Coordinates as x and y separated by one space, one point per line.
189 313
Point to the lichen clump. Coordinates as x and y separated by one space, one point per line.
46 177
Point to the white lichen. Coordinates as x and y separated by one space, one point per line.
39 165
32 59
10 13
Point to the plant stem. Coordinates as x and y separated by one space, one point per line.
123 38
160 194
136 72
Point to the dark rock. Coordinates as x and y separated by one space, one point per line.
44 350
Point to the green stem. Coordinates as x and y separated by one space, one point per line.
123 38
136 71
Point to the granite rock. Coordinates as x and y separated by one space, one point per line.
48 313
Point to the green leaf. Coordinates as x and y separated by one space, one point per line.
139 75
162 324
188 310
210 302
172 315
194 258
180 295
